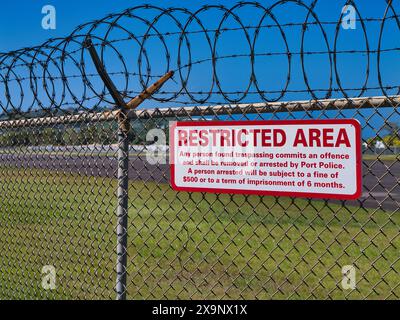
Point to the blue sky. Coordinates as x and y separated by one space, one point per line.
20 26
20 20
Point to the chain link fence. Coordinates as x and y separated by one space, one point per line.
63 158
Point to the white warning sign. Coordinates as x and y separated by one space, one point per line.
303 158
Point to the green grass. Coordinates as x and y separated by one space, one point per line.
188 245
108 153
384 157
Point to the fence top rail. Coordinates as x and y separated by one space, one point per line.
212 110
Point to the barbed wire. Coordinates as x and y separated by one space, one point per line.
142 43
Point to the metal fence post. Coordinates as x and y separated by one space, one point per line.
123 161
122 209
123 165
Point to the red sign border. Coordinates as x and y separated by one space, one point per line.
354 122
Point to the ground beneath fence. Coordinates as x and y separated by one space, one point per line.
381 188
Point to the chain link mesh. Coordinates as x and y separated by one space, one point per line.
59 161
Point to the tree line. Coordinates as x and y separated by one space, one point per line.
83 134
391 137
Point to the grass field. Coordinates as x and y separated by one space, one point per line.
105 153
188 245
384 157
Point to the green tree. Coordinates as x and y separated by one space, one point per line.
392 141
71 137
393 128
